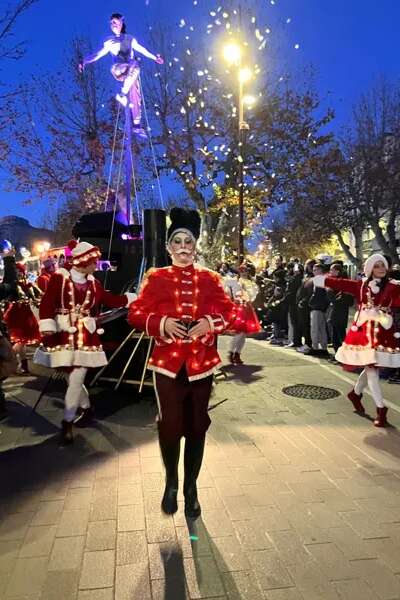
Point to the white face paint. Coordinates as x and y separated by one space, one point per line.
181 247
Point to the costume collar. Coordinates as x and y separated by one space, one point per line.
78 277
186 268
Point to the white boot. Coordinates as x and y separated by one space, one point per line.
122 99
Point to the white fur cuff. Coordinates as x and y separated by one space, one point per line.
211 322
47 325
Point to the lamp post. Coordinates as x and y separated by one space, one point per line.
233 55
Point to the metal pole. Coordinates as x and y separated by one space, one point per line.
241 172
128 162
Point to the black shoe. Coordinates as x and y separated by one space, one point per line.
24 366
170 455
169 502
67 437
192 505
194 451
84 417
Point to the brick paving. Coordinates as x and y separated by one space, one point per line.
300 498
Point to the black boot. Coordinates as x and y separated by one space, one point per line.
170 455
24 366
67 437
194 450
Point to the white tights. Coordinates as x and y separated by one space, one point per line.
129 81
20 350
77 394
370 377
237 343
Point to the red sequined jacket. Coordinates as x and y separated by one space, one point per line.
186 293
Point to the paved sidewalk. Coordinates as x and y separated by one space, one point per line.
300 498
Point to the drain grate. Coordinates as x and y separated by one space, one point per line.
310 392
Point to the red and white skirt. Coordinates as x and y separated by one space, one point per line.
246 320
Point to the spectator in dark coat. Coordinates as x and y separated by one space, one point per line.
302 328
338 311
294 280
318 304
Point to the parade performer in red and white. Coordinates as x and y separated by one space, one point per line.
70 337
48 268
21 322
243 290
184 307
372 341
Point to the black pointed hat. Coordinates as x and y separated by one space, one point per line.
186 220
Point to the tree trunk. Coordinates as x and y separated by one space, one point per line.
391 233
382 241
346 249
357 231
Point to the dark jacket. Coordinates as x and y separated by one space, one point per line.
319 300
339 304
8 288
293 284
304 294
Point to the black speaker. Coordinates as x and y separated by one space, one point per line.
100 225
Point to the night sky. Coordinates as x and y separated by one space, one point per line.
349 42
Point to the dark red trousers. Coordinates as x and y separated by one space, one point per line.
182 406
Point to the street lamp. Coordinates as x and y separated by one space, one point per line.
249 101
233 55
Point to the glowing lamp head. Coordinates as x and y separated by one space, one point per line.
249 101
232 53
245 75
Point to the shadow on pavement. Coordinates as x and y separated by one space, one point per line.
388 443
204 574
242 373
30 467
174 571
21 416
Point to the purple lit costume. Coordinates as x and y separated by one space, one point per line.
122 48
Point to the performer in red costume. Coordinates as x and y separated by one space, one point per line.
71 340
243 291
372 341
48 268
21 323
184 307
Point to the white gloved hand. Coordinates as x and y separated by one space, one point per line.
131 297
